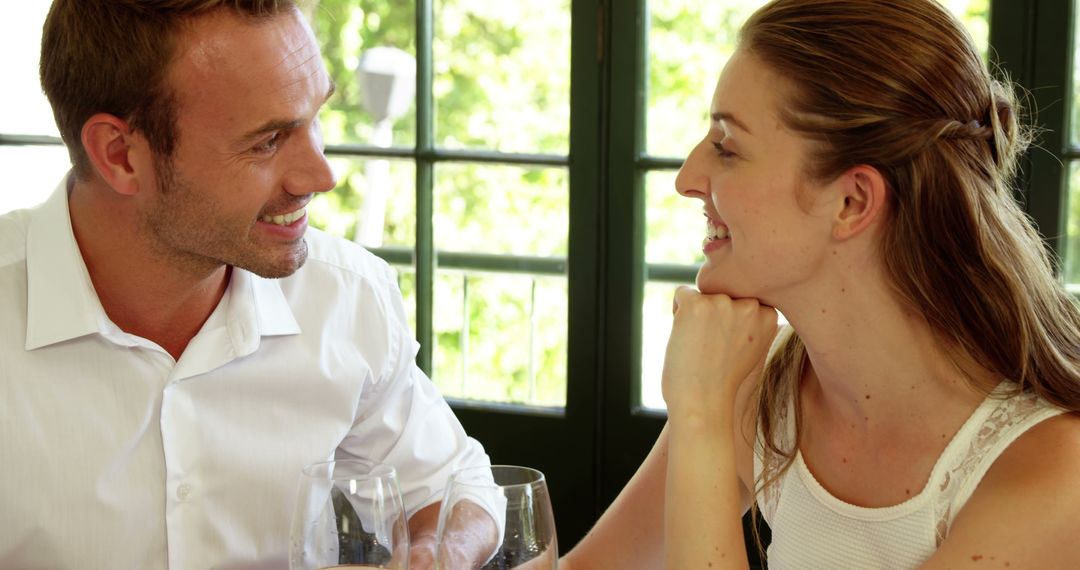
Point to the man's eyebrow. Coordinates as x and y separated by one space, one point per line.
728 117
270 126
282 124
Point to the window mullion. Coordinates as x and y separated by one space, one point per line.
1031 40
1052 62
425 167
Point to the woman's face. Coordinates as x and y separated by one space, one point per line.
768 225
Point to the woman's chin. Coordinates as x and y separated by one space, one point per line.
710 285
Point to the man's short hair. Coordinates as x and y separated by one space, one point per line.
113 56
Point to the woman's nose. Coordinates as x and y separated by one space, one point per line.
692 180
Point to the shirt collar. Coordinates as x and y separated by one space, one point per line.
61 301
271 310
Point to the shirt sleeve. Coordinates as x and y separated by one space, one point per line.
404 421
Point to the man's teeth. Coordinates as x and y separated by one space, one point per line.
285 219
713 231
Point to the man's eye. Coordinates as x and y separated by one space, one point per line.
270 145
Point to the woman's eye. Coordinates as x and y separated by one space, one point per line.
721 151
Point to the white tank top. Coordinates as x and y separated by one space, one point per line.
812 529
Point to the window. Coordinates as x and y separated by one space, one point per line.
472 205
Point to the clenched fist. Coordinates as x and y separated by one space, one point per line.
715 343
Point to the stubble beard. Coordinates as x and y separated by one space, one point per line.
192 233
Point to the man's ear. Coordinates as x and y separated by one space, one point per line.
864 192
111 145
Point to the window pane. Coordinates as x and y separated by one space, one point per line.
369 48
26 111
675 224
655 328
374 203
502 75
31 173
1071 273
482 208
500 337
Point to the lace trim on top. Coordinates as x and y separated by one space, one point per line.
1004 423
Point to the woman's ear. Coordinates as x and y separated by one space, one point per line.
110 144
864 191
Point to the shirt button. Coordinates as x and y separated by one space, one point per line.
183 491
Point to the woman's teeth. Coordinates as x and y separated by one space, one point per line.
285 219
713 231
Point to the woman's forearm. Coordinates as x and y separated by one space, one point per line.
703 507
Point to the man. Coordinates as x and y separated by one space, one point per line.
176 345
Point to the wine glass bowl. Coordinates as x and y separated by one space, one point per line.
349 514
514 498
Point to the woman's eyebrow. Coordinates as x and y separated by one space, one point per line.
729 118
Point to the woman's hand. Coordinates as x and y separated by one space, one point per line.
715 343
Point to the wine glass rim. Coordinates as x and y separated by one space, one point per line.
537 477
371 469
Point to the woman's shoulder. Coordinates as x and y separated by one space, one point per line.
1045 452
1033 486
1049 445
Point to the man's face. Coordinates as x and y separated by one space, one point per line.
249 152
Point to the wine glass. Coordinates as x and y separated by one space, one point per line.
349 514
516 500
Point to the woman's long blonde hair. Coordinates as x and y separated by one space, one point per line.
898 85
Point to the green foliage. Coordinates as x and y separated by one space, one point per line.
1071 269
501 82
345 29
502 75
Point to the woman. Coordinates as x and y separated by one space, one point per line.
921 410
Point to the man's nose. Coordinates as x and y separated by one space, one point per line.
311 172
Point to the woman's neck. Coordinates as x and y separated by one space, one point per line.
873 356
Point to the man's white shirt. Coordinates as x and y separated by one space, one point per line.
113 455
